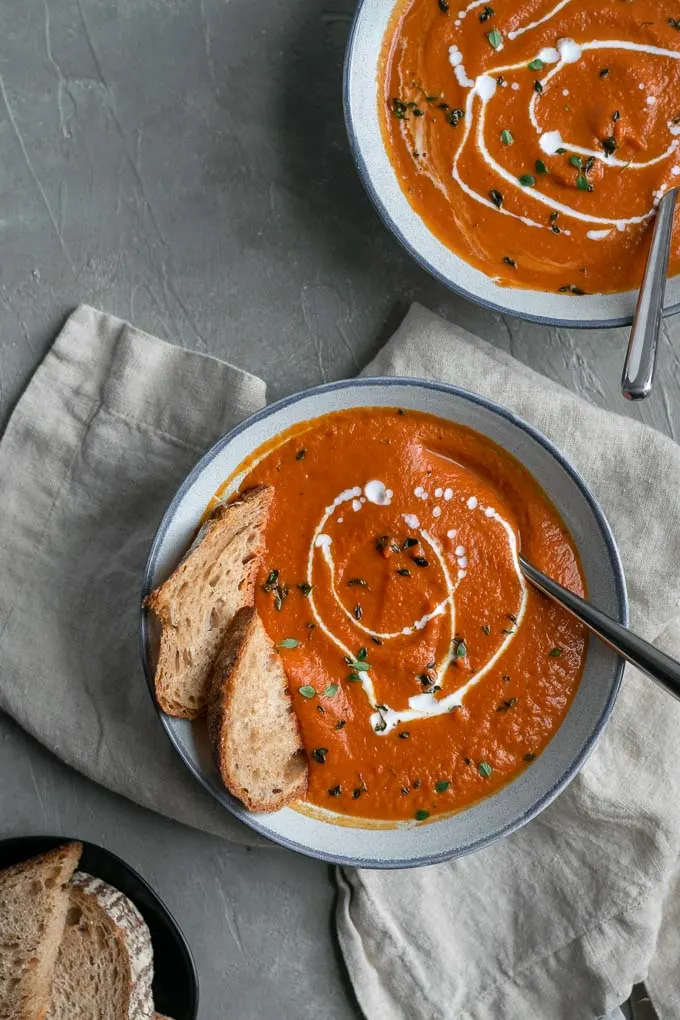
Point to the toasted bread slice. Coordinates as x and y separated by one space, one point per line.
253 729
198 601
33 906
105 964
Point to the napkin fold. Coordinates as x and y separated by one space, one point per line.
560 919
108 427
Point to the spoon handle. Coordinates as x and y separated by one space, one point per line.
634 649
638 369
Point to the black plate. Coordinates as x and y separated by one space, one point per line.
175 981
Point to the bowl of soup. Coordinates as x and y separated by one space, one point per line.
442 702
519 151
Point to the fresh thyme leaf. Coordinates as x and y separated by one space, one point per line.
305 588
527 181
359 665
485 769
421 814
331 690
576 161
582 182
555 653
541 168
459 648
609 145
307 691
536 65
442 786
495 38
289 642
361 654
506 137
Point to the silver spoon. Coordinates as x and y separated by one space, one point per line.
642 655
638 369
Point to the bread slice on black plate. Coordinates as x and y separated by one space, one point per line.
198 601
253 729
34 901
104 968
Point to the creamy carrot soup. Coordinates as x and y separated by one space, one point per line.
424 672
536 138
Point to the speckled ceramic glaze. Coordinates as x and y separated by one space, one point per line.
380 180
411 844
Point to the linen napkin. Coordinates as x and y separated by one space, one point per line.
106 430
559 920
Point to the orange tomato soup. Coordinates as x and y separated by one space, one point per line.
424 673
536 138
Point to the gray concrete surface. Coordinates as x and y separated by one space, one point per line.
183 164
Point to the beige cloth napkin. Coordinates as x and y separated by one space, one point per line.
559 920
106 430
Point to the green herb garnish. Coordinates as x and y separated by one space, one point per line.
319 755
555 653
576 161
508 703
582 183
442 786
307 691
506 137
609 145
459 648
536 65
422 814
495 38
272 579
527 181
399 109
331 691
484 769
305 588
289 642
541 168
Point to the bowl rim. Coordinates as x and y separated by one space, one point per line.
417 256
52 841
230 803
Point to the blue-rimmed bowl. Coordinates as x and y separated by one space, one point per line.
522 799
361 98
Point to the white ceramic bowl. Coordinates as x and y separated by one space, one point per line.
382 185
520 800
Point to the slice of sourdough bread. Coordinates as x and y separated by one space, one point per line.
105 964
252 726
198 601
33 906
